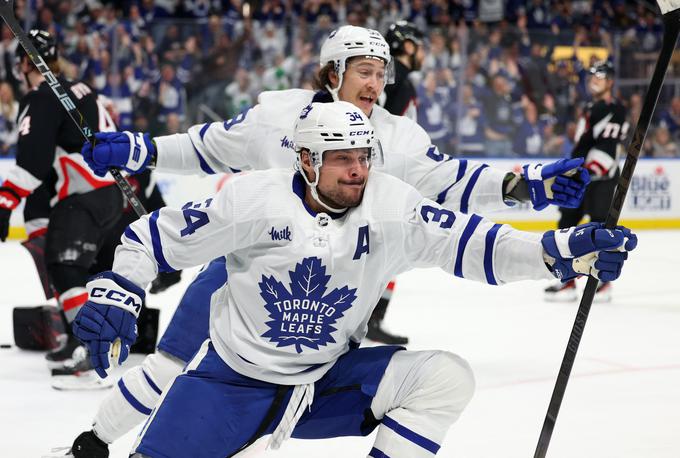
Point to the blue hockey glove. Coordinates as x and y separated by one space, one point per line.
560 183
130 151
110 313
588 249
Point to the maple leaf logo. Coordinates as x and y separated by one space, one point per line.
303 314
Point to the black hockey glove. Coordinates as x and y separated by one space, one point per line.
9 199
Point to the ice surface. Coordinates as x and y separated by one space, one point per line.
623 400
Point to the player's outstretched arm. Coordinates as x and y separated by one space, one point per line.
588 249
472 247
130 151
205 149
561 183
110 314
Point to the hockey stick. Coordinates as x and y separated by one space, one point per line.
7 13
670 10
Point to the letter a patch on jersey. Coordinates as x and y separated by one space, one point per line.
362 243
304 315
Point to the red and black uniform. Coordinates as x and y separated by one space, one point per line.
401 97
599 132
84 207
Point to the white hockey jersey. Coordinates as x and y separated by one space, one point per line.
301 286
262 138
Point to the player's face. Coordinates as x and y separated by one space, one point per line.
363 82
598 86
343 177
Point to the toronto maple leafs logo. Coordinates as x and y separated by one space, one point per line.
304 315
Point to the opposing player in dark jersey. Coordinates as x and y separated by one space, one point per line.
406 45
600 131
84 207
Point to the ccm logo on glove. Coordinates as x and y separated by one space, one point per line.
117 296
108 288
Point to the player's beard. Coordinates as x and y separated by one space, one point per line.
339 197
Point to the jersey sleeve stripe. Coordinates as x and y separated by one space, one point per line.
151 383
376 453
21 192
410 435
465 199
156 243
22 181
490 241
203 130
131 399
130 234
462 243
204 165
76 300
462 165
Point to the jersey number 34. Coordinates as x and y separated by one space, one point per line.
194 217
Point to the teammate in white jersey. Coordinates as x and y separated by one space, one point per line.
307 255
356 65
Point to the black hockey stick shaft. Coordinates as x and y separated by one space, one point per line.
7 13
671 22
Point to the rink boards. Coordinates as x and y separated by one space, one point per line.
653 200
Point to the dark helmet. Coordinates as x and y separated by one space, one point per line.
400 32
603 69
44 43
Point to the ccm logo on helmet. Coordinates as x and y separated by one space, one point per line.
116 296
359 132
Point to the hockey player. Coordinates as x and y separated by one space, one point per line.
356 65
307 255
84 206
600 132
406 46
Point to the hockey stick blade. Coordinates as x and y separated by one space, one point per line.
671 21
7 13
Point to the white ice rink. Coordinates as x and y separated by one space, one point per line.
623 400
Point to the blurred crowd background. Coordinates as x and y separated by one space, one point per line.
501 78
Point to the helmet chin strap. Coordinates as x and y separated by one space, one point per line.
315 194
334 92
339 70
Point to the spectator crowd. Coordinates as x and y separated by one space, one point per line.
496 81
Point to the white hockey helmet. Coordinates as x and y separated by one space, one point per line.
351 41
333 126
